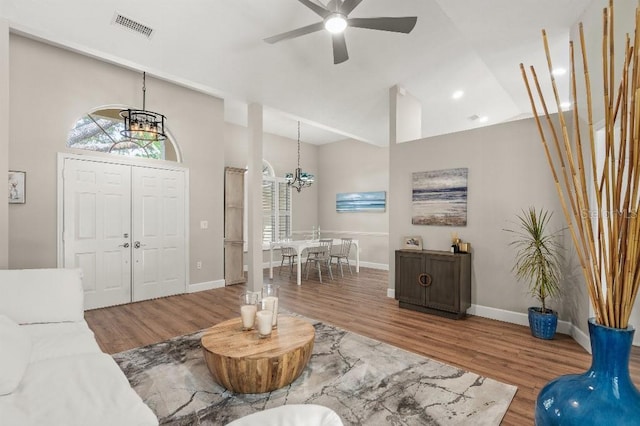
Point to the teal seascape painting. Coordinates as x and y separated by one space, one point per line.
439 197
361 202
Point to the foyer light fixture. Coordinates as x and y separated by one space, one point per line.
299 179
141 126
335 23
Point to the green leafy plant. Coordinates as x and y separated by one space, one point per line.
538 254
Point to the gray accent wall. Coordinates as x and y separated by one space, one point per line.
508 172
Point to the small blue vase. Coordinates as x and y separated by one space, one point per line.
604 395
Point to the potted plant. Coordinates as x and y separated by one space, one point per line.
537 263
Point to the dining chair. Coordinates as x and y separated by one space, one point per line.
342 255
289 254
320 256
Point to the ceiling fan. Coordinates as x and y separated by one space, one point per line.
335 19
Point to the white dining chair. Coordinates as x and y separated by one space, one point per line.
318 257
289 254
341 254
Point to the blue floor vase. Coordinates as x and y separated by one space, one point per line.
604 395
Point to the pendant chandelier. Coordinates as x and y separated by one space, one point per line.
141 126
299 179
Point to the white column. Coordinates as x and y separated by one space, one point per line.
254 197
4 139
406 115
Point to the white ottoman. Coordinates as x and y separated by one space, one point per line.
291 415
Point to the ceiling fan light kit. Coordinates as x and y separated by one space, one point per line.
335 23
335 19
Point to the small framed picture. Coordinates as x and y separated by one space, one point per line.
17 187
412 243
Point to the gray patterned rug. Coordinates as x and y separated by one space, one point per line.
365 381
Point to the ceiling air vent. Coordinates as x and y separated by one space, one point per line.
133 25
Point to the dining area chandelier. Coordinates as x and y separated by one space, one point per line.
299 179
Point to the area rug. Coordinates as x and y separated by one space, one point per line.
365 381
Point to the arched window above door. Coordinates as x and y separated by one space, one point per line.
267 169
100 129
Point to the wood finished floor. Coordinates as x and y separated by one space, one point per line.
359 303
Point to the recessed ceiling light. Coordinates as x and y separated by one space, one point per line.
483 119
457 94
565 105
558 71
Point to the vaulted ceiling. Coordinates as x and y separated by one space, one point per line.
217 46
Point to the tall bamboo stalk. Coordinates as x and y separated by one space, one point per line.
604 228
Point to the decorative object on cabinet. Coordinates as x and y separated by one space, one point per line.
361 202
602 218
436 282
233 227
439 197
412 243
17 187
537 263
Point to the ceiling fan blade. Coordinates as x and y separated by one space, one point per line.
340 53
348 6
398 25
295 33
316 7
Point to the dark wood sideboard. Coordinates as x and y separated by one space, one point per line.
435 282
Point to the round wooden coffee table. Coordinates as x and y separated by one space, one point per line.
241 362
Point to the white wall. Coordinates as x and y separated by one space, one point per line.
50 88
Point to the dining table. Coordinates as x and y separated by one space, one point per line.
299 246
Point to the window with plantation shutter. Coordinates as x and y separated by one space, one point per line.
276 207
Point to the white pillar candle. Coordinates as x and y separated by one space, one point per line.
264 322
271 303
248 314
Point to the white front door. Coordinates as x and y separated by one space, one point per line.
159 233
97 223
124 226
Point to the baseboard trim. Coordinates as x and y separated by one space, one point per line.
564 327
207 285
581 338
381 266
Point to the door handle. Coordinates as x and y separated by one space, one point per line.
425 280
138 245
125 245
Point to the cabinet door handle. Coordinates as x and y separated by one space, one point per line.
424 280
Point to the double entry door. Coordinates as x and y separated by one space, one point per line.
124 226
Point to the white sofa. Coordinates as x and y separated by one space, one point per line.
52 371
